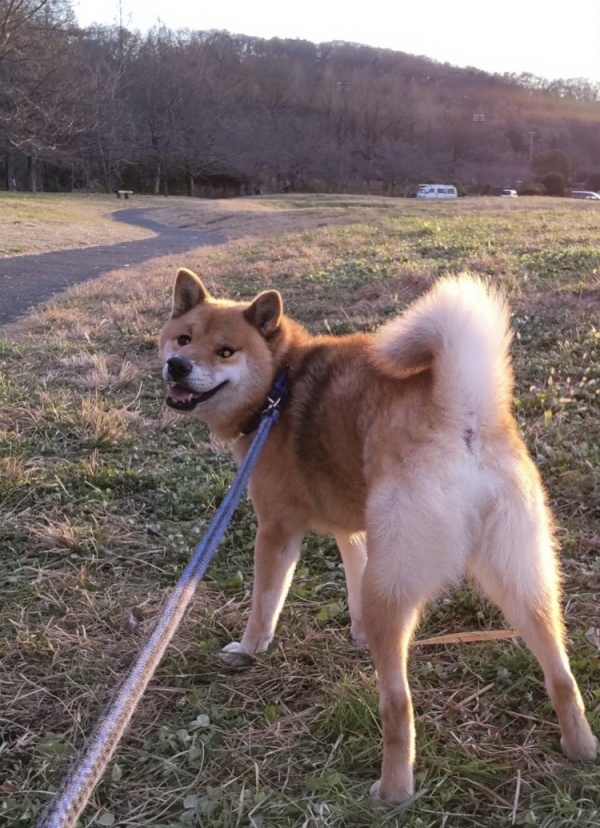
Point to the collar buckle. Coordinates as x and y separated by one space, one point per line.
276 398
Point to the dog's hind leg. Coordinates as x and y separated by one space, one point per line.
416 546
354 555
275 557
389 629
517 568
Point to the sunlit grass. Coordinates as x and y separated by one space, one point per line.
104 496
42 222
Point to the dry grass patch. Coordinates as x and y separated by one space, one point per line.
42 222
264 216
99 372
255 217
103 499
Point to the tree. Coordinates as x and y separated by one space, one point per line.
178 111
554 182
36 115
552 161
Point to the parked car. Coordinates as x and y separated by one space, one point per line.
589 194
437 191
509 193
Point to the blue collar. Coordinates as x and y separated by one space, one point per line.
276 399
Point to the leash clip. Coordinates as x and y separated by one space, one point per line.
279 393
272 406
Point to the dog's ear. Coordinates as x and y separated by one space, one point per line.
189 292
265 312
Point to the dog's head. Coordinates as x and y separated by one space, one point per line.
218 356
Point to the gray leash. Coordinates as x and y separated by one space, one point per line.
77 787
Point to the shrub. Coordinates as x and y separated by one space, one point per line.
593 181
531 188
552 161
554 182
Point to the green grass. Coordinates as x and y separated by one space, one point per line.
103 499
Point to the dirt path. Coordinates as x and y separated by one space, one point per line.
25 281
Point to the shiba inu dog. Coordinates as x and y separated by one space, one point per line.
402 445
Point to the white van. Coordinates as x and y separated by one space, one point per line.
437 191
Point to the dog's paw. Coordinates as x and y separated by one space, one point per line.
359 636
236 655
383 797
374 791
582 748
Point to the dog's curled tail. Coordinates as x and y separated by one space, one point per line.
460 331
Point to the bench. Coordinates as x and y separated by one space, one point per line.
124 193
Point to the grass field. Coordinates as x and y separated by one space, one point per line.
42 222
103 496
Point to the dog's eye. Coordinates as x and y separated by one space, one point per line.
225 352
184 339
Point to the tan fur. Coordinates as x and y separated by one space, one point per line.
408 436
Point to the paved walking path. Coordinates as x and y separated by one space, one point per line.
25 281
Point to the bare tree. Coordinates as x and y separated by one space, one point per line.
186 111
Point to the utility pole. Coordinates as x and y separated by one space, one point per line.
121 30
531 136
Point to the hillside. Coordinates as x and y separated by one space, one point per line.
212 113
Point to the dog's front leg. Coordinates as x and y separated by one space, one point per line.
275 557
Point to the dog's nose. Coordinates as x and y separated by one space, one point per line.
179 367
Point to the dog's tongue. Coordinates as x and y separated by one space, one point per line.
179 394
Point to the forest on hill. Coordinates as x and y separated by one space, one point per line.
213 113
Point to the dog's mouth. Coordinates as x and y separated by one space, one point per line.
184 399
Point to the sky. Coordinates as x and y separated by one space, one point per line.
550 38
